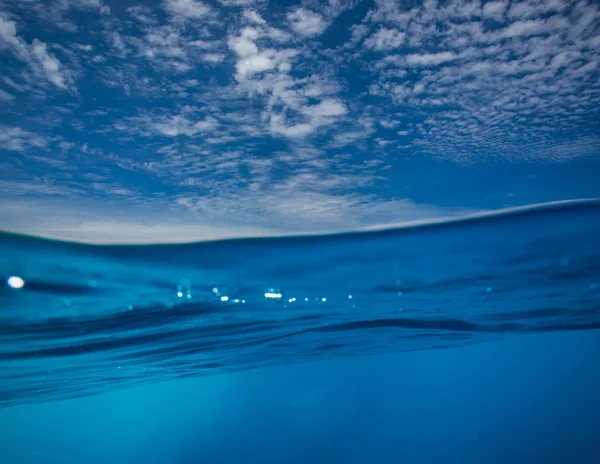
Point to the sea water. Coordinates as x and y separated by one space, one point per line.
469 340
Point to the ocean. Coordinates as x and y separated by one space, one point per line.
459 341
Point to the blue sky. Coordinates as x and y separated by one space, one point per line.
188 119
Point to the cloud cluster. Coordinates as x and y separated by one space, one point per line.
497 80
40 62
288 117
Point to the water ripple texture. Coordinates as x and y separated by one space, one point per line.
79 319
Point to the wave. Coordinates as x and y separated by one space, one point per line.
89 318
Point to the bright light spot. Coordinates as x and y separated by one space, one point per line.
323 299
215 290
179 294
189 296
224 298
243 301
15 282
237 300
349 297
305 299
272 295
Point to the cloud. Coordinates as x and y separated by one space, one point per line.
213 58
325 109
430 59
248 66
49 64
187 9
5 96
385 39
36 55
235 115
494 10
84 47
19 140
32 187
535 8
288 211
245 44
239 2
250 60
307 23
525 28
169 126
253 17
8 32
266 73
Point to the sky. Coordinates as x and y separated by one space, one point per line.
173 120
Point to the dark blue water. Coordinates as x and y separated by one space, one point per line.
459 296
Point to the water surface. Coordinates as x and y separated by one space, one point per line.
93 318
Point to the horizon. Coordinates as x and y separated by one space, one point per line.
408 225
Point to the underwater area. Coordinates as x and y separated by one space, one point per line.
471 340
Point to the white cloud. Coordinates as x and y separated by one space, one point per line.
266 75
325 109
84 47
250 61
169 126
525 28
239 2
385 39
253 17
535 69
32 186
187 9
307 23
253 64
565 58
5 96
418 89
244 45
36 55
279 126
464 81
84 4
535 8
494 10
204 44
17 139
206 125
8 32
430 59
213 58
50 65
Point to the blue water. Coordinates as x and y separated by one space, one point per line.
463 341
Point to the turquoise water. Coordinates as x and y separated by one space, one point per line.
451 342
